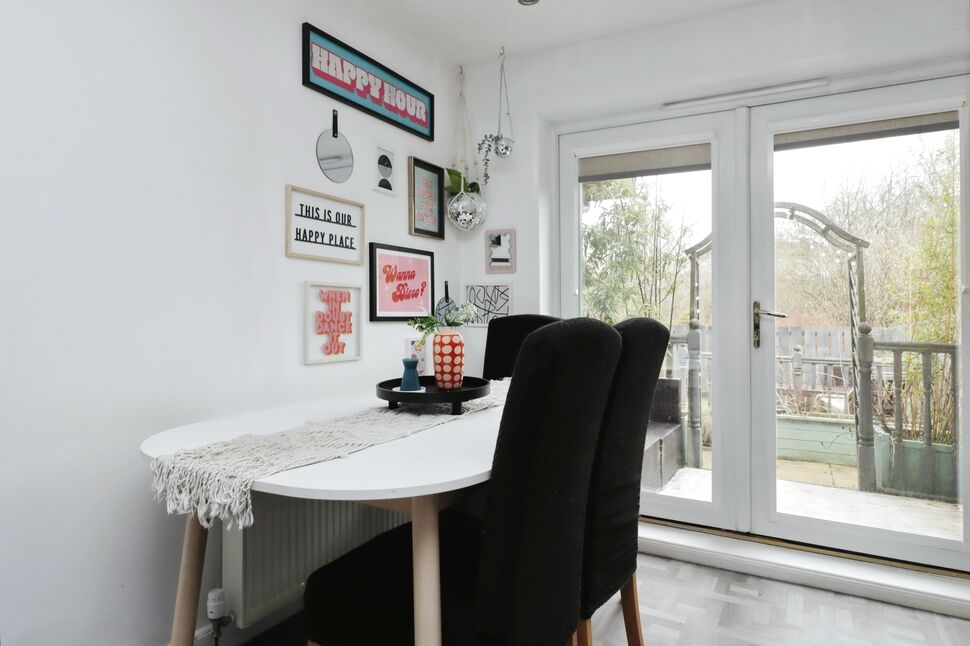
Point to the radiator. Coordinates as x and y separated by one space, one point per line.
264 566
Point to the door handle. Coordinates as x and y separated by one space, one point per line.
757 313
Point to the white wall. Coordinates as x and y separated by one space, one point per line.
144 149
619 79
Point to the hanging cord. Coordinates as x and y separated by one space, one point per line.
503 92
465 128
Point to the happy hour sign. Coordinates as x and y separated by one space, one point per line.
346 74
332 319
323 227
401 282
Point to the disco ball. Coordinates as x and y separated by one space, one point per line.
503 146
466 210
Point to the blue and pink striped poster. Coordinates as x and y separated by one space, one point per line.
340 71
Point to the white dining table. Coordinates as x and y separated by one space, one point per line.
419 474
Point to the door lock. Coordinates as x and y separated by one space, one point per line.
758 313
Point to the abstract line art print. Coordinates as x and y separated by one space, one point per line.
491 301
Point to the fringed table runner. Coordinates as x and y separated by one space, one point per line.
216 480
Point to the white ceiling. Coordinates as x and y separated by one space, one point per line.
471 31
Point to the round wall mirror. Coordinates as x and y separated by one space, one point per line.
335 156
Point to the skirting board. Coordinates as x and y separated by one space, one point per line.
935 593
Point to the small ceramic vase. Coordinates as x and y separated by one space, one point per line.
410 380
449 358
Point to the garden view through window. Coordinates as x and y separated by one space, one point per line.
866 259
646 245
866 362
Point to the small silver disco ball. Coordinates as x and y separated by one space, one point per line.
503 146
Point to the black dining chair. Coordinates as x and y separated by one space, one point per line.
516 578
610 547
505 337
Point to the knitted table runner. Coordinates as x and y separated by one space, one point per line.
215 480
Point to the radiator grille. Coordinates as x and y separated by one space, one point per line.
264 566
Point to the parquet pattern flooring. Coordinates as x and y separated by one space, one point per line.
682 604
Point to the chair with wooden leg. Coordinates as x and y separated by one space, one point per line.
610 548
516 578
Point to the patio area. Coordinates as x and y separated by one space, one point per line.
828 492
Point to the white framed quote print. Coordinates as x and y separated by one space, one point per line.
331 323
323 227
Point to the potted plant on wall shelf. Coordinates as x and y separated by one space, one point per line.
448 347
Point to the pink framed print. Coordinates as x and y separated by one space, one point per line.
401 283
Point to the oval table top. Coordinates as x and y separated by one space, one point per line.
447 457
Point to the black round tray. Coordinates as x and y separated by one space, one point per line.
471 388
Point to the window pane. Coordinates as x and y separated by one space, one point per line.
646 252
866 262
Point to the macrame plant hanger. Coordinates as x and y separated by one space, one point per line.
465 210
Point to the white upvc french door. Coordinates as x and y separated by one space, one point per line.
711 151
870 516
769 199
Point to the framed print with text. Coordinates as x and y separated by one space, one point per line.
331 323
323 227
401 283
426 199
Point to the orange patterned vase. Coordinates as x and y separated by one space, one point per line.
449 358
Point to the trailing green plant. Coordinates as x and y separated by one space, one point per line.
485 148
427 325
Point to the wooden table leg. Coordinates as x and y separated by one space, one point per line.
190 582
427 571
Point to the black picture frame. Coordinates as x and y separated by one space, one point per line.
438 231
374 283
368 108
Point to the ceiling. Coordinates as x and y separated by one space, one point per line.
471 31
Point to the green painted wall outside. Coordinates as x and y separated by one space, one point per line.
815 439
832 441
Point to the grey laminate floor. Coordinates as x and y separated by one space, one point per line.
682 604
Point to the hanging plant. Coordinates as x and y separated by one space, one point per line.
466 208
498 144
485 148
456 180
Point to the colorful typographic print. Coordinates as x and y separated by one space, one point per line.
340 71
331 325
401 282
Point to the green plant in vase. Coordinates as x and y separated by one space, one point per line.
448 351
428 325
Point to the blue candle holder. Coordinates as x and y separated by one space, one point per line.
410 380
